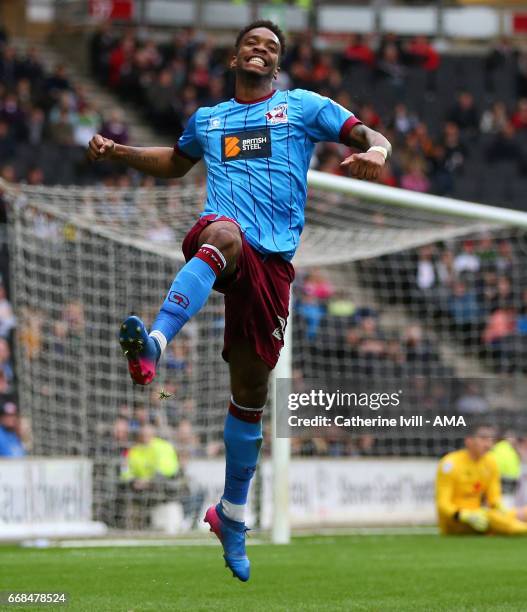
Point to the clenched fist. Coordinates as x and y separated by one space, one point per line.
100 148
365 165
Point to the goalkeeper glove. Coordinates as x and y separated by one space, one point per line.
477 519
500 506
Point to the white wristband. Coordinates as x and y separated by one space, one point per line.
379 149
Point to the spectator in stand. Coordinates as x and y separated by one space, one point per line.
312 313
506 260
358 52
101 46
160 95
521 323
7 316
521 74
498 338
9 66
323 66
486 250
370 116
472 400
120 60
30 335
62 128
13 114
35 176
467 260
463 307
455 150
427 275
441 170
519 118
8 173
35 127
31 66
318 285
411 151
301 66
371 339
88 124
387 176
390 67
149 461
424 139
403 121
505 148
506 453
187 440
121 438
421 53
464 114
216 89
494 119
11 445
504 297
417 346
115 127
6 366
199 75
7 143
57 83
415 178
499 54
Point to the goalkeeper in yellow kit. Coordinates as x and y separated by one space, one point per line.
468 491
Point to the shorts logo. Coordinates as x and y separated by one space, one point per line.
278 333
246 145
179 298
277 115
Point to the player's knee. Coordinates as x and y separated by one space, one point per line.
226 238
251 395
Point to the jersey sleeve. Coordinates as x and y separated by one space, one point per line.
445 488
325 119
188 144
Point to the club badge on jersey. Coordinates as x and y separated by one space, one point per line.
277 115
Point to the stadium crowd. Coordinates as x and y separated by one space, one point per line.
404 88
46 116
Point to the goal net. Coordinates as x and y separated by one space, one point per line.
390 285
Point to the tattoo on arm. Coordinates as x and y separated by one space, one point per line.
363 137
138 158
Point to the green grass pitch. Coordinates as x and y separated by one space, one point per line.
371 573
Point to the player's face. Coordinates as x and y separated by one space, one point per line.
258 53
480 443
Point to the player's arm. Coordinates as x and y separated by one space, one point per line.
162 162
477 519
324 119
493 493
445 490
376 149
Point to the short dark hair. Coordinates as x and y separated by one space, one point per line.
474 426
262 23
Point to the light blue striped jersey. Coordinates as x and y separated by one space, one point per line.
257 156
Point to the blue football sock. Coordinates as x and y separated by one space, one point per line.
243 440
188 293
